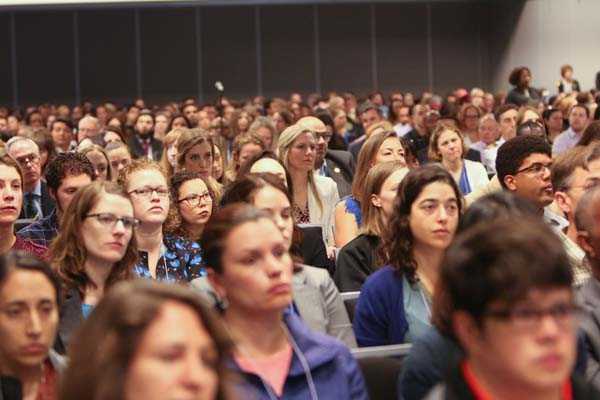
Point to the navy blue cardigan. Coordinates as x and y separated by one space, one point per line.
379 318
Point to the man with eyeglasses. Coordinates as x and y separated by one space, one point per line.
335 164
37 202
587 220
505 295
523 166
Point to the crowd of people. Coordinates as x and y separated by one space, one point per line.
241 250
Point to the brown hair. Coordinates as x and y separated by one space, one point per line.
433 152
564 166
169 139
236 148
190 138
397 239
591 134
372 221
106 345
175 223
366 158
94 147
68 250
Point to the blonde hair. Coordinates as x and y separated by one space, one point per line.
286 139
433 152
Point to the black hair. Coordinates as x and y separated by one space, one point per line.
513 152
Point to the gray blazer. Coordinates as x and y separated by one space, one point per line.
588 297
316 298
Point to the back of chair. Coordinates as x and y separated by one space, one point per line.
381 376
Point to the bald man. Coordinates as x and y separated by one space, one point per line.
336 164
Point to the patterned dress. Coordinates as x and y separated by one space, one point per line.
180 261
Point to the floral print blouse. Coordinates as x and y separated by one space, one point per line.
180 261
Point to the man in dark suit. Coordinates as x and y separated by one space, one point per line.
37 202
335 164
142 143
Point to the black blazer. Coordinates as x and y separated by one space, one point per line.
137 151
575 86
341 169
71 317
355 262
355 146
312 247
48 203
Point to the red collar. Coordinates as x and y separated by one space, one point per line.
479 393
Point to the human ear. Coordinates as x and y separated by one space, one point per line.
467 331
216 282
583 240
563 200
510 182
375 200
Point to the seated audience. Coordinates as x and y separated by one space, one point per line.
161 256
314 196
243 149
522 93
195 153
29 298
94 249
149 341
66 174
380 147
263 128
468 116
61 130
505 296
287 360
37 202
591 134
395 302
447 146
168 159
315 295
267 161
358 258
578 119
194 204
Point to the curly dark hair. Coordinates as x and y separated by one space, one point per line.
66 164
514 151
515 76
175 224
397 239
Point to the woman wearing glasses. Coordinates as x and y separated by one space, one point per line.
94 249
163 257
395 302
194 204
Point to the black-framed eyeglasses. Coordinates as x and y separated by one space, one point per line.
161 191
110 220
326 136
196 199
536 168
564 314
28 159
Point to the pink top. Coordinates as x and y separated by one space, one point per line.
272 369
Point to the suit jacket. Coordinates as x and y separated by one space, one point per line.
312 247
320 304
137 151
71 317
323 216
48 204
340 165
356 145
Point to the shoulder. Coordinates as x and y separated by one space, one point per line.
361 243
384 280
325 184
315 275
180 245
475 166
339 156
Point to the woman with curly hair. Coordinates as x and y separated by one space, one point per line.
395 302
195 203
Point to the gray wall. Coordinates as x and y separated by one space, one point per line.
544 35
167 53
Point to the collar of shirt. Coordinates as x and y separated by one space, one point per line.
37 190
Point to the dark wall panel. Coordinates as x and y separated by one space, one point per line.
228 51
401 47
168 46
6 85
288 51
457 46
107 55
345 48
46 57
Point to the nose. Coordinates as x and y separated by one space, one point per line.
549 326
274 266
35 324
546 173
442 213
320 140
194 373
119 229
